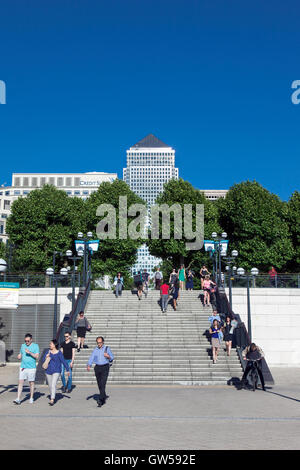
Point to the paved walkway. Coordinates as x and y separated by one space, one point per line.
153 417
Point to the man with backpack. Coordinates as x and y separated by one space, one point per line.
158 278
102 357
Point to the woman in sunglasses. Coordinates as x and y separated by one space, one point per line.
68 350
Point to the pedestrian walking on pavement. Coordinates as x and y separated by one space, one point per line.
29 354
68 350
52 363
82 325
102 357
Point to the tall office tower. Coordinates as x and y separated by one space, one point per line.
150 164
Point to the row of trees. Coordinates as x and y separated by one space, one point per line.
264 229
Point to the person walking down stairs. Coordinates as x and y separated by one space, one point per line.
118 284
82 325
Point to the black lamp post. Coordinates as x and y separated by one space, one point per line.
230 260
50 272
241 274
218 249
85 242
74 259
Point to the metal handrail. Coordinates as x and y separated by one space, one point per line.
241 337
264 280
69 323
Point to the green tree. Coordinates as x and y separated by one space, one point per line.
255 221
293 220
2 250
174 251
114 255
47 220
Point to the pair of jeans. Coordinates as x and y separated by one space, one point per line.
69 384
118 289
164 301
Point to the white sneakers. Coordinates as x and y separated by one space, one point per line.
18 402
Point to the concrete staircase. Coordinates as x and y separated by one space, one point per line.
151 347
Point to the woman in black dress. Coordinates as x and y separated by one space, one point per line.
228 333
203 272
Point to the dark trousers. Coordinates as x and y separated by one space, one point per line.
101 373
247 370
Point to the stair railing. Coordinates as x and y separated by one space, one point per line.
241 337
69 321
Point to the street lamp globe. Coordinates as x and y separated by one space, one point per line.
214 235
90 235
224 235
80 235
3 265
69 253
254 271
234 253
240 271
50 271
63 271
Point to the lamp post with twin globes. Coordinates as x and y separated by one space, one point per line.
218 249
230 260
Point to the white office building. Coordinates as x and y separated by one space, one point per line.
150 164
74 184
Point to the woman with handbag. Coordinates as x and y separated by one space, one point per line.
52 363
228 329
82 325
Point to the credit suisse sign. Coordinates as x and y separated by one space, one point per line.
96 182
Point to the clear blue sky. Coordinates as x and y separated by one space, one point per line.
86 79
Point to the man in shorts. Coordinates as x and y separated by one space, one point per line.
29 354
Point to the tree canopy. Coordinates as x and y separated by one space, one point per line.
175 250
256 223
114 254
43 222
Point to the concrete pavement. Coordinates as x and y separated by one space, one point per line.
153 417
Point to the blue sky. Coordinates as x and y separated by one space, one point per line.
87 79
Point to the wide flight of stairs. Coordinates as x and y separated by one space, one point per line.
151 347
